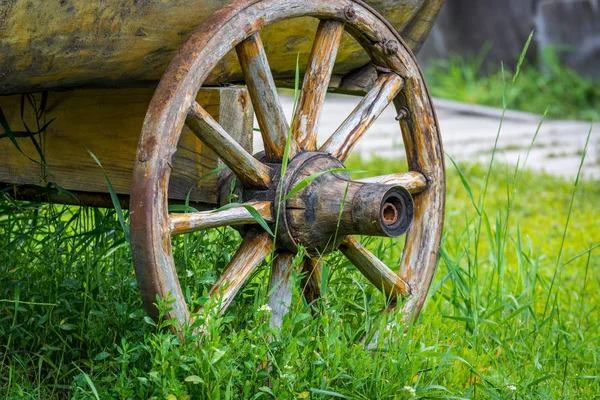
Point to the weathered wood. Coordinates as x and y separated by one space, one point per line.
315 84
332 206
280 288
254 249
374 269
311 281
425 154
119 43
359 81
190 70
192 222
247 168
341 142
412 181
419 27
108 123
273 125
52 195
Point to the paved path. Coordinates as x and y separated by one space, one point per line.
468 133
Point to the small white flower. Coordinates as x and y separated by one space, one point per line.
265 308
411 390
512 388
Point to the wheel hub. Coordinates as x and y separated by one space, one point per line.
328 205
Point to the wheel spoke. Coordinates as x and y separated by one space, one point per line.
280 290
412 181
312 279
254 249
247 168
316 81
263 92
374 269
341 142
192 222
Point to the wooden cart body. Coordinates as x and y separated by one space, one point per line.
67 44
80 81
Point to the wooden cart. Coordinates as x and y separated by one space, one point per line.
94 69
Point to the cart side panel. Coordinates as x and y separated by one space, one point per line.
108 122
51 45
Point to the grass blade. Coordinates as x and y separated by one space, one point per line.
306 181
113 197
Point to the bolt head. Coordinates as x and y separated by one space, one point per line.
402 113
349 13
390 47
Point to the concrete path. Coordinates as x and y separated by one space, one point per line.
469 132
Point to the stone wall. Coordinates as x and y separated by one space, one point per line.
500 29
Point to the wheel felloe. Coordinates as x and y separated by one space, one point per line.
324 214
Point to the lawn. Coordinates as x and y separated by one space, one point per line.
513 311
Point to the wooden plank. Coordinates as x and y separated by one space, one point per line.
108 122
374 269
341 142
119 42
254 249
263 92
316 81
420 25
246 168
280 288
191 222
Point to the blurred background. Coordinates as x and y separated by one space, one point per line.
471 42
470 60
497 30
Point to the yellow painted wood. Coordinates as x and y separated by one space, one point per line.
108 122
49 45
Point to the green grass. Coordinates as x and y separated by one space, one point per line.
72 324
512 313
566 94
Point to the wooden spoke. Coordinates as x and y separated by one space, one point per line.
263 92
374 269
312 279
280 290
192 222
254 249
341 142
247 168
412 181
316 81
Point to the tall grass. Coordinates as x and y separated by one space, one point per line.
72 323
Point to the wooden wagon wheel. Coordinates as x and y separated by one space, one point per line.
378 206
